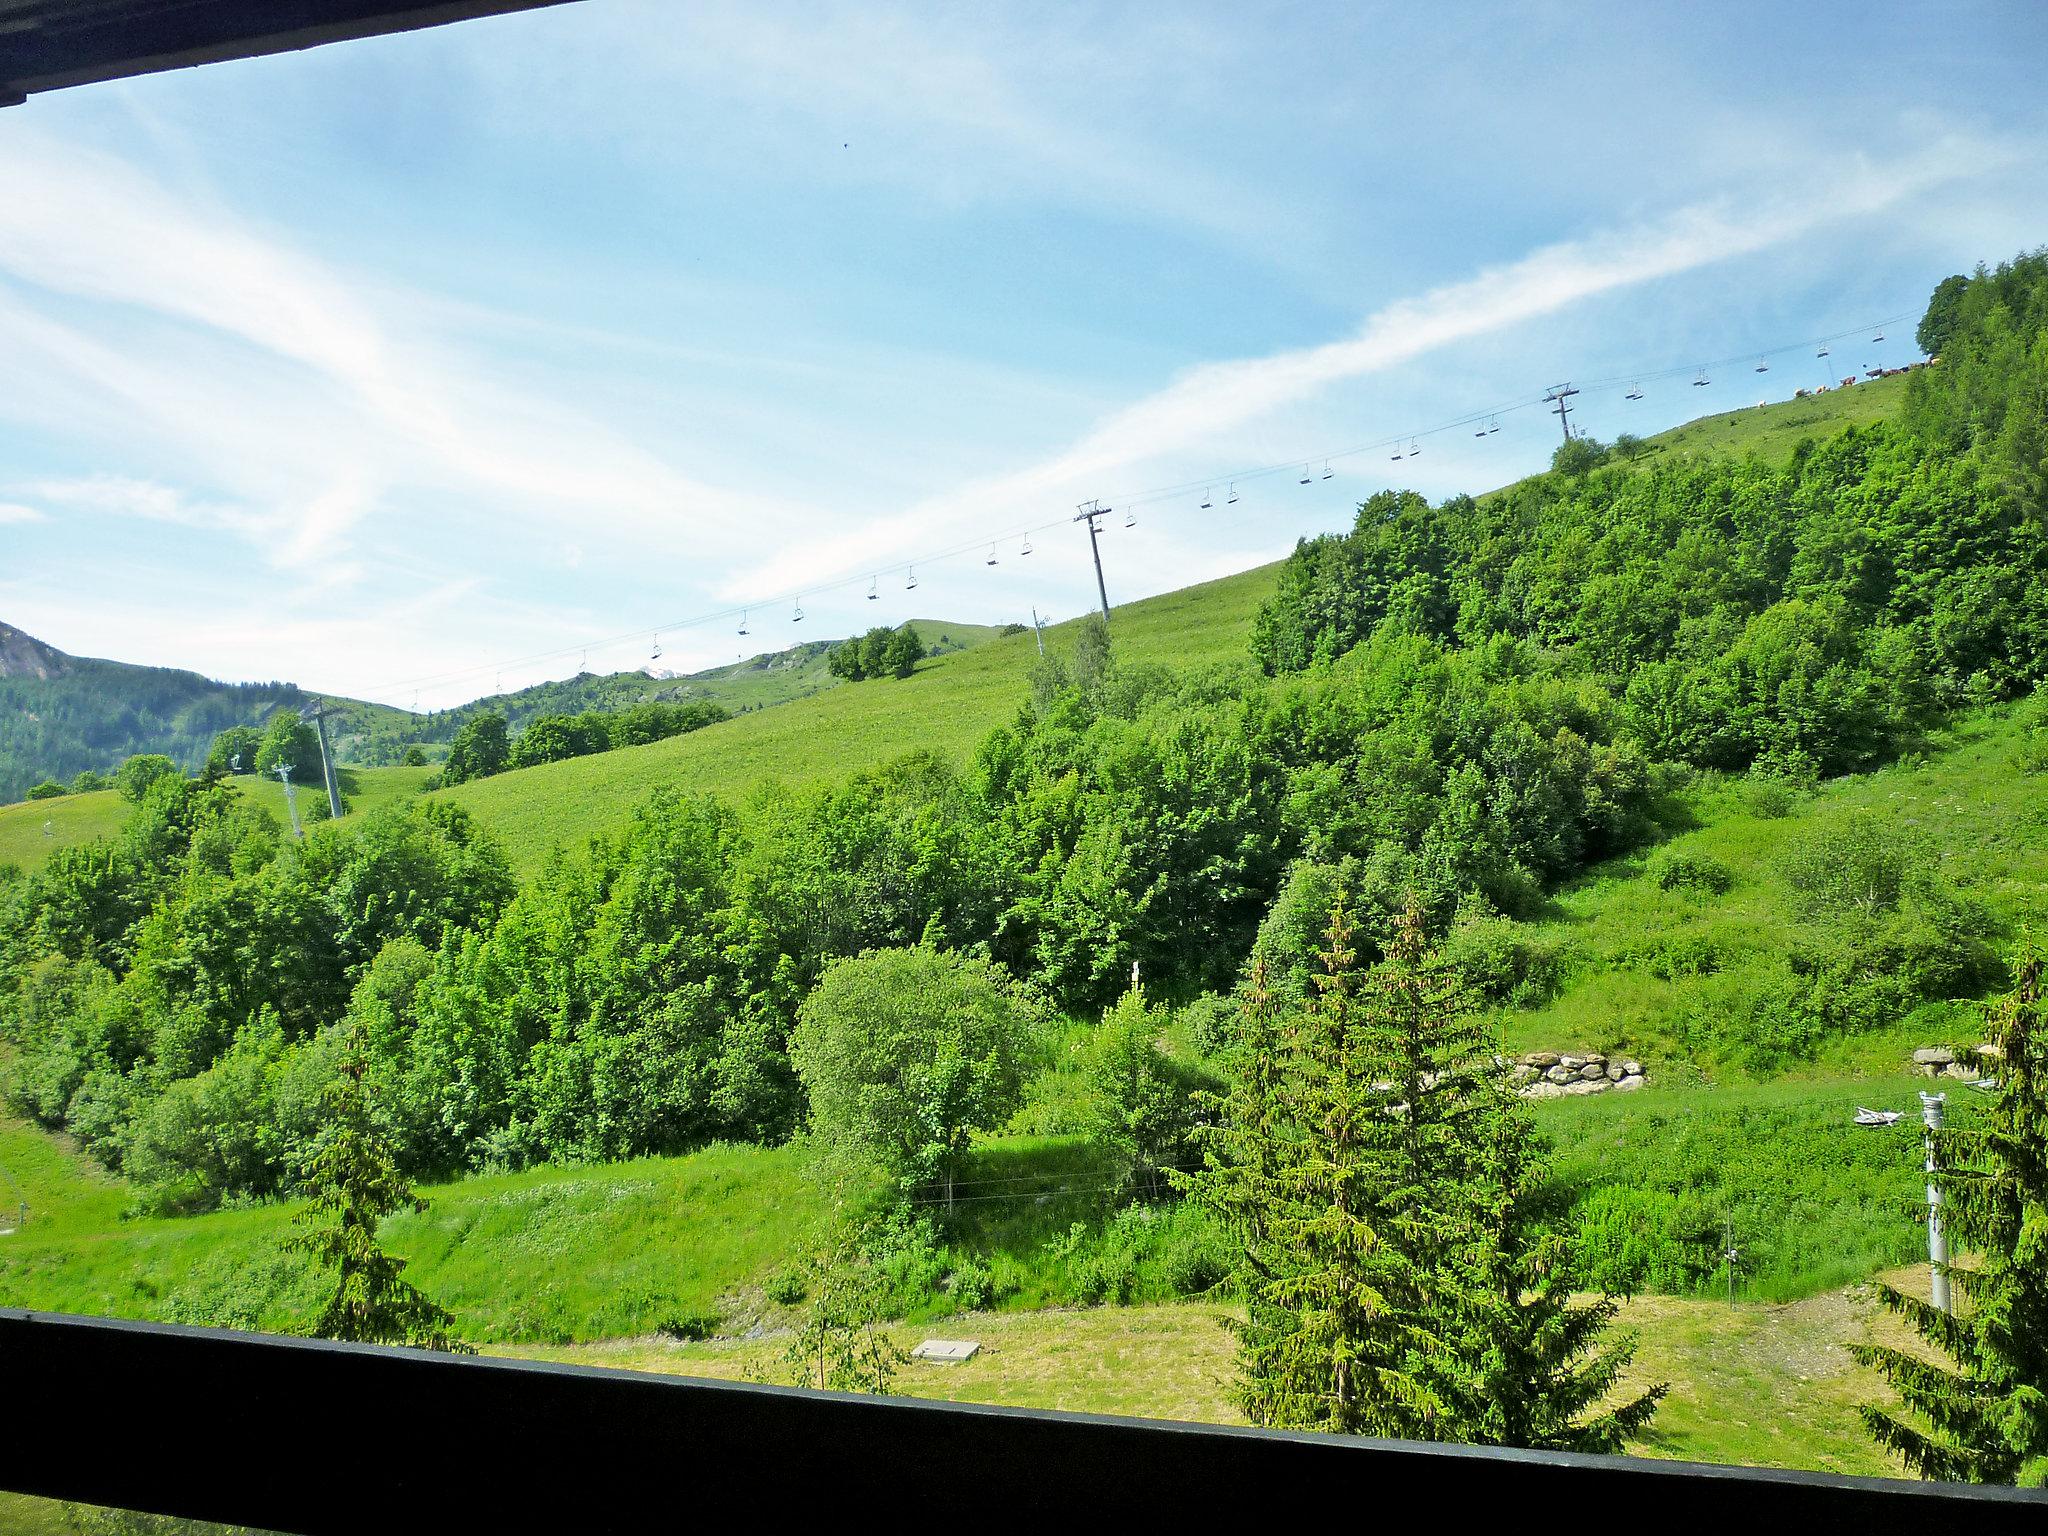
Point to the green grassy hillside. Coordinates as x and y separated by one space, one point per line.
1665 973
1775 429
946 706
30 831
757 682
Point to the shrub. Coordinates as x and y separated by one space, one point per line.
49 789
1500 960
971 1285
1857 863
691 1327
1679 870
1768 796
137 774
788 1285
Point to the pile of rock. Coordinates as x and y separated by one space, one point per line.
1975 1061
1562 1075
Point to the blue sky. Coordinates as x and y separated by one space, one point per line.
412 368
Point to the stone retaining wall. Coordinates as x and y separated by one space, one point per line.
1564 1075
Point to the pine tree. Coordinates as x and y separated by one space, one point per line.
353 1178
1985 1419
1307 1172
1402 1275
1534 1371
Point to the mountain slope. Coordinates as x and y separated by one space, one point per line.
950 703
755 682
60 714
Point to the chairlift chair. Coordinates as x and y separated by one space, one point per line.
1414 447
655 655
1231 499
1635 392
1026 549
991 560
1327 471
1823 352
1494 425
798 616
1702 381
1304 474
1762 366
1130 518
743 621
1879 336
1398 455
873 595
1208 500
910 585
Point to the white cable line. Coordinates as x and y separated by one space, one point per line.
1141 498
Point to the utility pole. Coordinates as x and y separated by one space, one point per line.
1038 628
318 714
291 799
1937 1240
1088 514
1560 400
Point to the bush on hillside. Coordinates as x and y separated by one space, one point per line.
1686 870
135 776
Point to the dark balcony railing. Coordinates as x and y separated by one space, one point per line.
300 1435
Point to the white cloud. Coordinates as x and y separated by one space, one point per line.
1209 400
212 321
15 512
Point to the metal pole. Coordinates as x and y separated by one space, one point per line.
1562 396
1088 514
1038 628
327 765
1937 1240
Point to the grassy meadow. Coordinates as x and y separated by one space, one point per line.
946 706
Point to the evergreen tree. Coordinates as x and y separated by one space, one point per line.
1985 1420
1402 1270
352 1173
1319 1179
1533 1370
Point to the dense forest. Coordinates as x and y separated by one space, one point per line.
88 716
1447 712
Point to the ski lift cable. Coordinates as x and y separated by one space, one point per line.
1126 503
